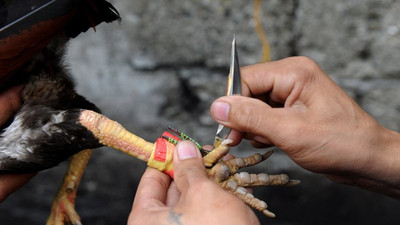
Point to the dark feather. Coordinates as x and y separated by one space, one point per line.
46 131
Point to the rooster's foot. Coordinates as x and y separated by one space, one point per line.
225 174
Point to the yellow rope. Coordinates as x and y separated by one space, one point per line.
266 54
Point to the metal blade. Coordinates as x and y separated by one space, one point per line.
233 87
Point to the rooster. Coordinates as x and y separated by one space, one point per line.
55 122
46 129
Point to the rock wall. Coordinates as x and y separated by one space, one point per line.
168 60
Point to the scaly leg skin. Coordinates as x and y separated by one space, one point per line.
224 173
63 207
112 134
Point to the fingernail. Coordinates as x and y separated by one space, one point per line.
220 110
187 150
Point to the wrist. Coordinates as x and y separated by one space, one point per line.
386 163
378 165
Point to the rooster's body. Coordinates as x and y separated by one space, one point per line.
55 122
45 131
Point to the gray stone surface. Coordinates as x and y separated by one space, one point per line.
167 61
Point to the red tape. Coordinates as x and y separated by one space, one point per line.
160 153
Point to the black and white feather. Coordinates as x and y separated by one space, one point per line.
46 130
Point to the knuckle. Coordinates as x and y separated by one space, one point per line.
304 68
305 62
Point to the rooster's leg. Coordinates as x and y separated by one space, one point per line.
112 134
63 207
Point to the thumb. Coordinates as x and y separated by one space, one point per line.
188 166
250 115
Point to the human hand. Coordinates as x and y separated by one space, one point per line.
295 106
10 101
191 199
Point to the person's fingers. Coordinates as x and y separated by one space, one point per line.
262 141
11 182
152 189
256 118
173 195
258 141
188 166
236 137
149 206
257 144
278 82
10 101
